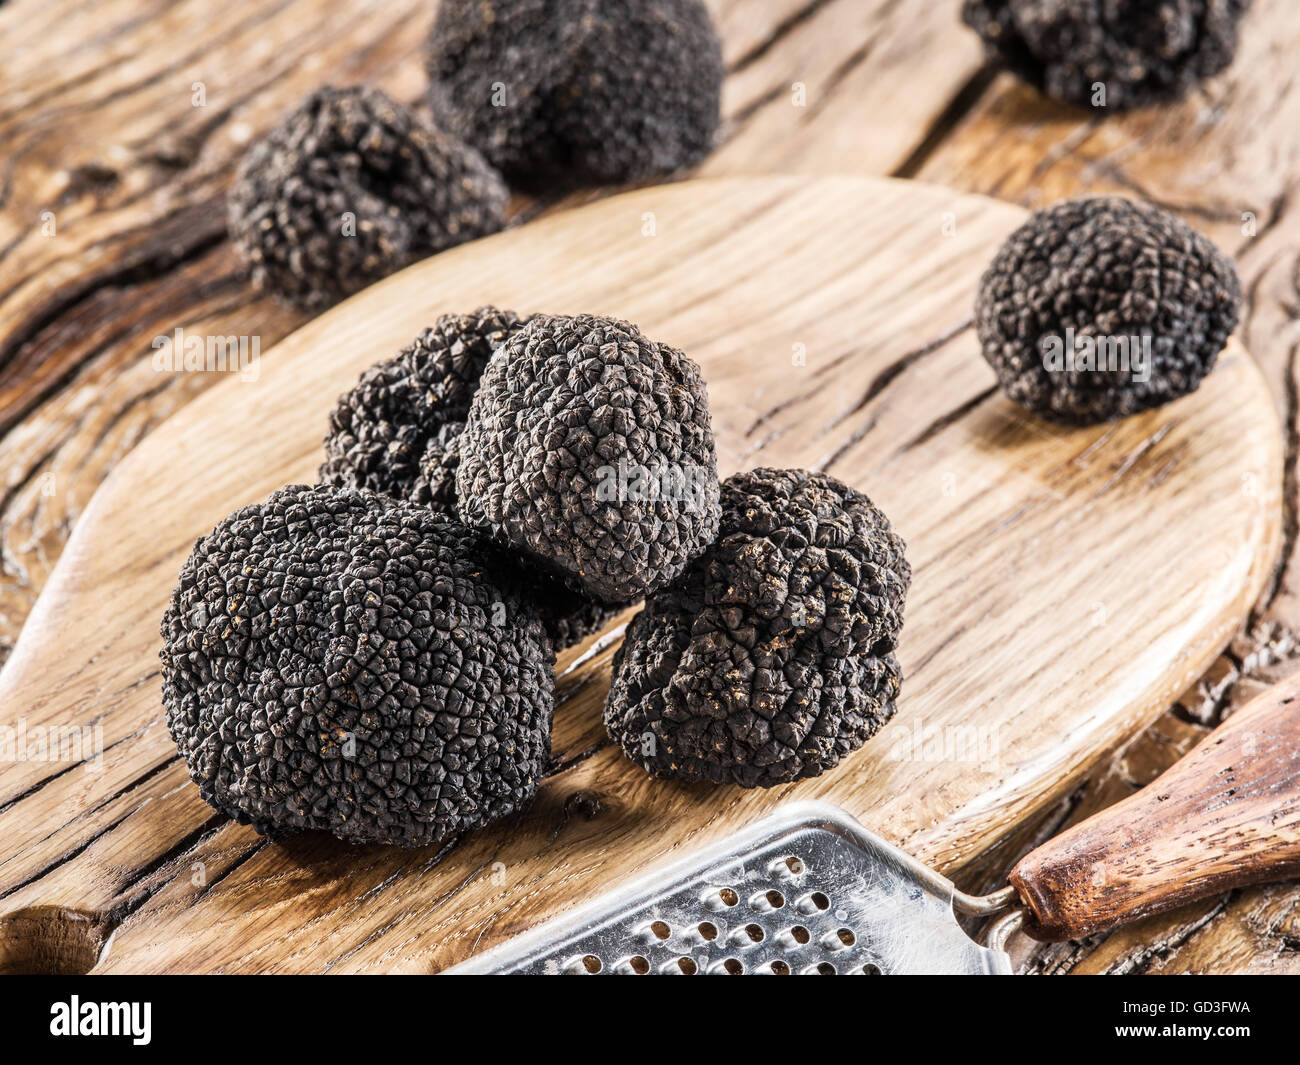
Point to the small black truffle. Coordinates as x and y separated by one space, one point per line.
350 188
1096 309
398 432
773 656
338 660
589 449
568 92
1142 51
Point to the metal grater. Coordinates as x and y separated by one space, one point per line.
806 890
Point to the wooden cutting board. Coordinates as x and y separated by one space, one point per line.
1069 583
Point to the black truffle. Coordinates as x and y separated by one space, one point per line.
1099 308
1142 51
339 660
773 656
398 432
348 189
566 92
589 449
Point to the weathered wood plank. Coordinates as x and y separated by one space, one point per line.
1004 652
1228 161
96 124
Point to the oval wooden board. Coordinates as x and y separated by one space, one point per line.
1069 583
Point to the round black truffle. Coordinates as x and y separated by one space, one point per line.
1142 51
398 432
773 656
589 449
567 92
1096 309
341 661
348 189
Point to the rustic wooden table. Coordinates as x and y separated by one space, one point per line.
121 122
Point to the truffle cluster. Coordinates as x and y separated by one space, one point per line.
373 656
1142 51
578 91
773 656
398 432
339 660
1093 272
351 187
589 450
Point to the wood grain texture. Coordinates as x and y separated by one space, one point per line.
1048 617
101 133
1226 816
97 124
1227 160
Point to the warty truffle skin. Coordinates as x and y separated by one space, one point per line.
1143 51
341 661
1105 268
409 189
572 92
772 657
589 450
398 432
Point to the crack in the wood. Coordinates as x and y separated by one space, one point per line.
778 33
1208 213
952 417
559 767
258 845
65 858
38 785
838 76
958 108
150 264
1290 485
883 379
1141 961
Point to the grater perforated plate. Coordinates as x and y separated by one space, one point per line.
806 890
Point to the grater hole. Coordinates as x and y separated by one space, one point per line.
824 969
687 966
794 937
661 930
780 968
795 865
728 897
846 936
708 930
775 899
872 969
766 901
813 902
733 967
755 933
639 965
591 963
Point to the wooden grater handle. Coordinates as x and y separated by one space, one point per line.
1226 815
